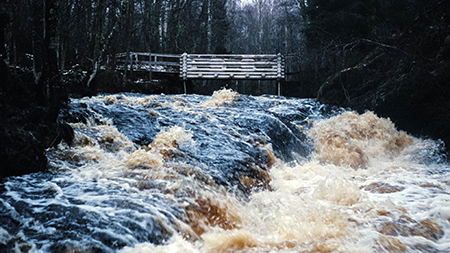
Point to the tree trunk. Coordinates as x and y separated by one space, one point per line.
209 27
4 19
102 44
50 74
128 23
38 32
44 49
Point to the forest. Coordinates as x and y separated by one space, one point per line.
389 56
318 38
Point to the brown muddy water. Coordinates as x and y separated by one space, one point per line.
229 173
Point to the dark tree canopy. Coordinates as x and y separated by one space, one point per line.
347 20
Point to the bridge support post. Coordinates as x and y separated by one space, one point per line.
150 65
184 70
279 64
279 87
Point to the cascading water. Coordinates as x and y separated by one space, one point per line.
229 173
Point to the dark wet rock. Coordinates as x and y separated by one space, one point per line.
27 127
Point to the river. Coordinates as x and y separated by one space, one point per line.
229 173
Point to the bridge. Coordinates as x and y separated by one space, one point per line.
206 66
148 62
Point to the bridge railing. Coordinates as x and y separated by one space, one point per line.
210 66
232 66
207 66
149 62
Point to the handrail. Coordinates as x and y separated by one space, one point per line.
152 54
209 66
232 66
145 61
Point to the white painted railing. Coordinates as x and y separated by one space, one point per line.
232 66
208 66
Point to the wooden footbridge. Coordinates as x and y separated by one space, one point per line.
207 66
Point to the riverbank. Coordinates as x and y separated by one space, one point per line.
405 78
28 123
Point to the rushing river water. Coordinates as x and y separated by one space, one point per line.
229 173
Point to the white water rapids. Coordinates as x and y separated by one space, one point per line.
229 173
